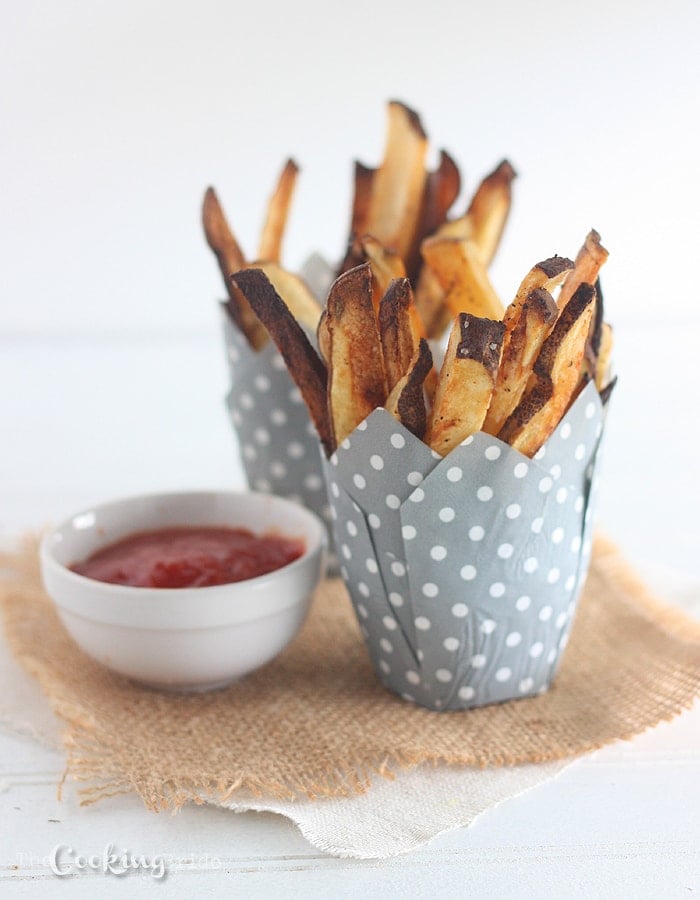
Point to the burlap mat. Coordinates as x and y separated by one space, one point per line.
315 722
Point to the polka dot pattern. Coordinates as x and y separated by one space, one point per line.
479 556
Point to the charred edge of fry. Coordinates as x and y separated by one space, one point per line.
480 340
304 364
589 260
597 327
364 176
395 332
605 393
410 399
412 116
585 295
555 266
501 177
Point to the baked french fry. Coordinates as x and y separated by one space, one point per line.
398 184
463 277
442 188
364 179
525 334
230 259
406 402
304 364
556 374
356 379
587 264
385 264
397 330
466 381
322 338
295 292
602 370
548 275
277 214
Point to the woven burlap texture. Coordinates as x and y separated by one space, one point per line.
315 722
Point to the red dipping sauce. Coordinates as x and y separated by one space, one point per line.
190 557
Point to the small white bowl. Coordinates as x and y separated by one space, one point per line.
183 639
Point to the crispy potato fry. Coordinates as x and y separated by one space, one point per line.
304 364
588 263
399 183
397 330
356 379
230 258
295 292
556 373
406 402
277 214
385 264
466 381
441 190
525 333
602 370
462 276
322 338
364 179
548 275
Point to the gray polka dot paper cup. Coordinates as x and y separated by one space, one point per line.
465 571
278 444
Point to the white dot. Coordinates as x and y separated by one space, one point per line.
465 693
540 453
412 677
296 451
497 589
346 444
417 496
545 484
233 354
484 493
545 614
371 566
443 675
389 623
580 451
478 661
537 524
409 697
278 417
564 640
451 644
513 639
384 666
505 551
446 514
530 565
395 599
246 401
363 589
553 576
392 501
576 544
344 572
522 603
513 510
561 620
476 533
525 685
438 553
536 649
468 573
249 452
376 462
278 363
422 623
278 469
569 583
236 417
374 520
408 532
430 589
359 481
362 610
503 674
467 441
565 431
398 441
488 626
590 410
398 568
555 472
562 494
414 478
262 484
420 655
460 610
313 482
454 474
386 645
262 382
351 529
557 535
345 550
578 505
520 471
552 655
295 395
362 426
492 452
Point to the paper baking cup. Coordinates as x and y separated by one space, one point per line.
465 571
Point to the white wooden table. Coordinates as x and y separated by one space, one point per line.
89 418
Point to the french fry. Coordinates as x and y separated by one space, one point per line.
277 214
397 330
364 179
442 188
466 381
385 264
304 364
295 292
399 183
587 264
556 373
548 275
406 402
525 334
230 259
462 275
356 378
602 370
322 338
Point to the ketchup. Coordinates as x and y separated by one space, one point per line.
190 557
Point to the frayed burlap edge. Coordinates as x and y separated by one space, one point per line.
478 737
